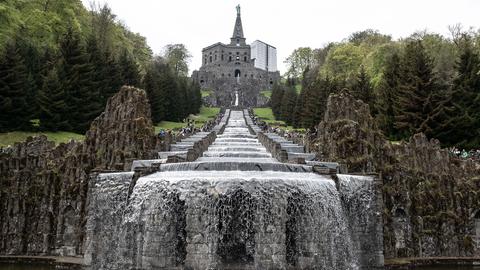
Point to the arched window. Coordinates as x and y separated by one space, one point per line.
222 57
215 57
230 59
210 58
237 73
245 59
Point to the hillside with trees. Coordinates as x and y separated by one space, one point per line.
423 83
59 63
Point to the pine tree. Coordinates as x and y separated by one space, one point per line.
196 97
114 74
288 105
297 113
462 127
276 100
76 75
181 97
316 97
168 88
14 112
387 93
362 89
130 74
156 98
51 100
416 96
32 61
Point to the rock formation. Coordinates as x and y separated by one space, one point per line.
43 187
432 198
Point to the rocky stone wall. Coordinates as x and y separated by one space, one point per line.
43 187
431 198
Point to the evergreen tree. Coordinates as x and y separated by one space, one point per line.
297 114
362 88
168 87
276 99
462 126
113 72
196 97
34 81
51 100
181 97
387 93
417 98
316 97
130 74
76 75
288 105
14 112
156 98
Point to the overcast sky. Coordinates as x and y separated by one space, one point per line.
285 24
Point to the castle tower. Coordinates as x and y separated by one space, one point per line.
237 38
230 71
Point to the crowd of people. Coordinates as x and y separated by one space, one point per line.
473 154
190 128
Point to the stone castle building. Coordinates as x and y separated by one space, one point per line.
237 71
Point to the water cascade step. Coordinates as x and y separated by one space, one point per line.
235 207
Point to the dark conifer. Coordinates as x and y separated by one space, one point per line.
362 89
276 99
51 100
387 93
130 74
14 112
76 75
288 105
151 83
462 125
417 92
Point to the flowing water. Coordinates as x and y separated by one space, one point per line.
236 207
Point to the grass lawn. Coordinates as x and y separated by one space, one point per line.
266 115
266 93
206 93
206 113
10 138
168 125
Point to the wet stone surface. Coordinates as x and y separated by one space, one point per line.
233 209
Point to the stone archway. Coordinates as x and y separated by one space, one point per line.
237 75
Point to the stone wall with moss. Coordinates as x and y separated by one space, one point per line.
43 187
431 198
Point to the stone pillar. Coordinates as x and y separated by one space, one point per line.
201 237
270 250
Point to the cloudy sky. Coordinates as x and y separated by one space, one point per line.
285 24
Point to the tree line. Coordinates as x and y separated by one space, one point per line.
172 95
424 83
64 77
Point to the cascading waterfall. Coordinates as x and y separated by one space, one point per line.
234 208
